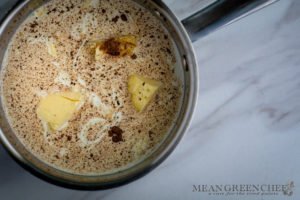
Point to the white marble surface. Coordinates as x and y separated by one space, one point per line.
246 129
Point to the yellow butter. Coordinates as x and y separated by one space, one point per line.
142 90
51 49
40 12
117 46
56 109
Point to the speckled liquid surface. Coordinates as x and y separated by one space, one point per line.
31 72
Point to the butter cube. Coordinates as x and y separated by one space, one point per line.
40 12
98 53
56 109
51 49
142 90
127 44
117 46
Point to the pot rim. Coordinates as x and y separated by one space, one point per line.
151 161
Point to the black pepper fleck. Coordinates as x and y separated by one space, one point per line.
124 17
133 56
115 19
115 133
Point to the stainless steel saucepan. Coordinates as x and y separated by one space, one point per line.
216 15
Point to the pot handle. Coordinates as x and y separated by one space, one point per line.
219 14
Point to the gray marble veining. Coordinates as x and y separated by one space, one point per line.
246 129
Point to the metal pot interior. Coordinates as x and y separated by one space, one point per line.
185 68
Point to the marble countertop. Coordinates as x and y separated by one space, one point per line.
246 129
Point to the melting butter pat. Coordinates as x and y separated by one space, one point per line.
142 90
51 49
40 12
117 46
56 109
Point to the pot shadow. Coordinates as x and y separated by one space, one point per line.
17 183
